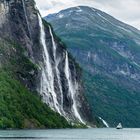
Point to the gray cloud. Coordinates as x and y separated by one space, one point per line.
127 11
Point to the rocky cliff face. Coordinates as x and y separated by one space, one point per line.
57 77
108 51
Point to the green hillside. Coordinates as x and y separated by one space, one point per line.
19 107
108 51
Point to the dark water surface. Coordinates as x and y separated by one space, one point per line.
72 134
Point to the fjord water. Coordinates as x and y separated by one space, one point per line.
73 134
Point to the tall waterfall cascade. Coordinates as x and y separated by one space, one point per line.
72 89
57 70
24 8
49 72
47 78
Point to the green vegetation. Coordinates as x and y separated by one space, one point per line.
109 53
112 101
19 107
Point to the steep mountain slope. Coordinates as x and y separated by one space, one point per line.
19 107
35 66
109 53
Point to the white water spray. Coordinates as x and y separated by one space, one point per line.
4 9
72 89
56 68
47 80
25 12
104 122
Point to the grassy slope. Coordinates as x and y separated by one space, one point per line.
112 101
19 108
108 99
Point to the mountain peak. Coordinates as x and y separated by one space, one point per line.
97 18
108 50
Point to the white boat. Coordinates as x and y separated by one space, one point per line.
119 126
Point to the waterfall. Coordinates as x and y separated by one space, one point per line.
72 89
104 122
4 9
57 70
24 8
49 73
47 79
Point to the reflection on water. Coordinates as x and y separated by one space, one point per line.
71 134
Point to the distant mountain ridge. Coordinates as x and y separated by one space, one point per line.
109 53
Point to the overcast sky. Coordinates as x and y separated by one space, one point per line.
124 10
